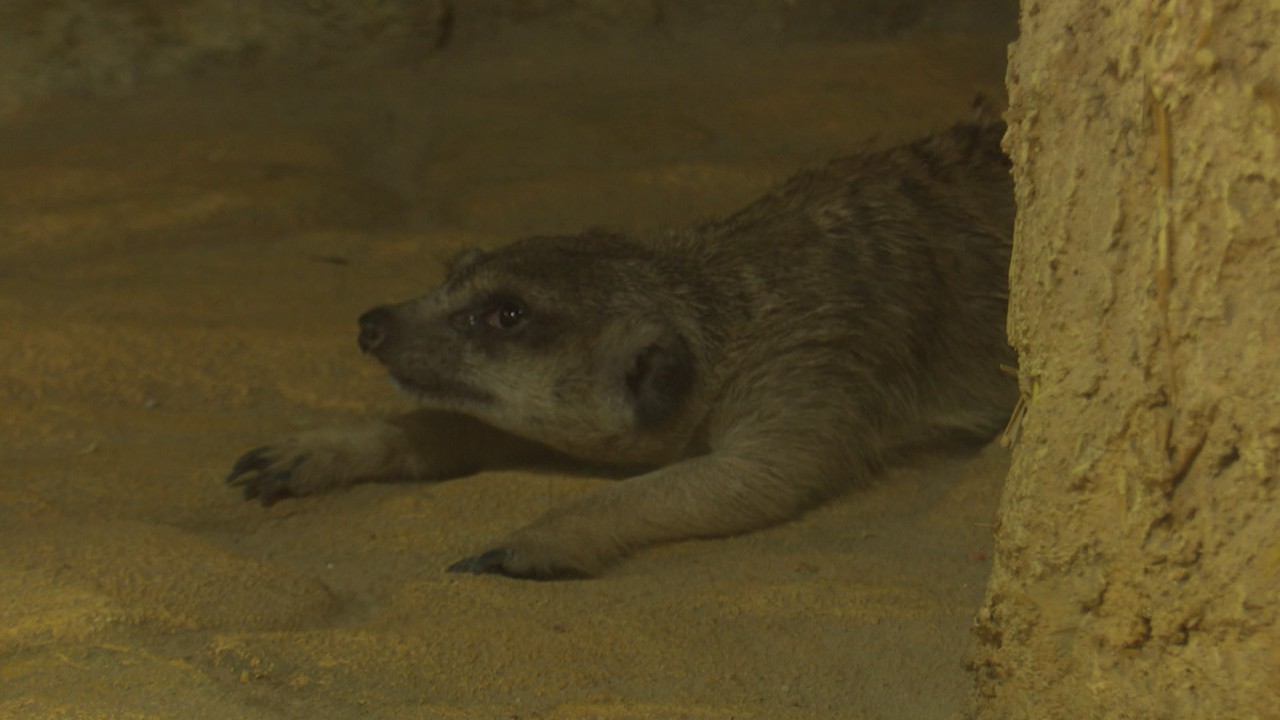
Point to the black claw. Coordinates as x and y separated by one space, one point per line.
269 489
258 472
255 459
487 562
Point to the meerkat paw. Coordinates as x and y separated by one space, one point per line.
543 555
309 463
264 473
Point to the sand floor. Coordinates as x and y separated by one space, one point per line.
179 278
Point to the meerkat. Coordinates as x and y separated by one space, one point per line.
742 370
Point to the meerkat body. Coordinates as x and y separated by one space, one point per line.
755 365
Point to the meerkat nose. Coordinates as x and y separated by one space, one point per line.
374 328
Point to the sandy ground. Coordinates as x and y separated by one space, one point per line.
179 278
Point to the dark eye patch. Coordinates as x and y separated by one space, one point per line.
509 315
503 320
500 314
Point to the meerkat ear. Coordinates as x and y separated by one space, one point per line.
660 375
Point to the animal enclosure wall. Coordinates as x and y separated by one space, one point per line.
1138 569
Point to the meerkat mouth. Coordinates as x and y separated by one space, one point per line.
436 390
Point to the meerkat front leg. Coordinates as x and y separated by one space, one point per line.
756 482
422 445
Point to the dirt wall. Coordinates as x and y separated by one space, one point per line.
1138 568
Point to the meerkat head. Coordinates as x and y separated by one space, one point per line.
568 340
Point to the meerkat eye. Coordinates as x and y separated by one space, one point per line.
507 316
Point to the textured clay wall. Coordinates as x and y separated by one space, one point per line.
1138 568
